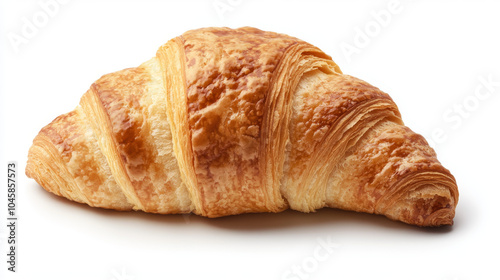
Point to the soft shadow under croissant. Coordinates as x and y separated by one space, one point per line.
227 121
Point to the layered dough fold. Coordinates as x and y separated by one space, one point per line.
229 121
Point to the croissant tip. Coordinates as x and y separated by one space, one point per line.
422 211
441 217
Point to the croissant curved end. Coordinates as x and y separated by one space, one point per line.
423 203
441 217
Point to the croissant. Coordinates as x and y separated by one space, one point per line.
228 121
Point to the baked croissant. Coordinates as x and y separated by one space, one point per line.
227 121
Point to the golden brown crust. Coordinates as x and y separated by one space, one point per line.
331 112
394 172
66 163
228 74
227 121
134 127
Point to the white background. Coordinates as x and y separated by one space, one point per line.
430 57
